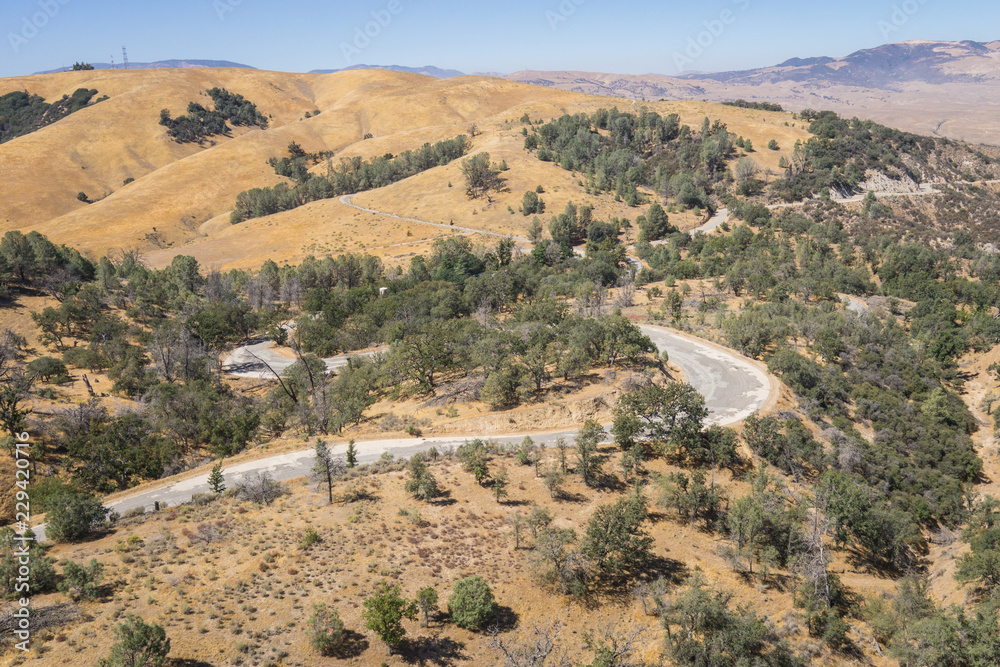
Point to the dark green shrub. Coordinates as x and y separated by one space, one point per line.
326 630
73 517
471 603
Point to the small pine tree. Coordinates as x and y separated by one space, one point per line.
427 598
539 520
421 482
501 480
471 604
561 455
81 582
352 454
139 644
553 482
326 630
216 481
326 468
384 613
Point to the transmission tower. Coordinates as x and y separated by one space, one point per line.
112 61
125 57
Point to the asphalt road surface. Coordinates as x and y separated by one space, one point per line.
259 360
732 385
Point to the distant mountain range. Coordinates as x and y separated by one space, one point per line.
884 67
946 88
160 64
428 70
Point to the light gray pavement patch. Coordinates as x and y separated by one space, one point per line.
733 387
855 305
252 361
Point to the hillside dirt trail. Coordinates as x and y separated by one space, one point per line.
722 215
346 200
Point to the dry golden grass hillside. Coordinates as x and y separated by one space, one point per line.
234 583
180 200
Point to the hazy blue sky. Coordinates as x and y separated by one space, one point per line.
593 35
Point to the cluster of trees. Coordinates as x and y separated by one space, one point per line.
576 225
159 335
138 643
759 106
22 113
471 605
350 176
31 260
200 122
516 362
918 631
296 165
531 203
618 152
766 529
615 547
895 374
168 362
922 453
704 628
844 151
42 577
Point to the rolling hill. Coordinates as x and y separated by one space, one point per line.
182 193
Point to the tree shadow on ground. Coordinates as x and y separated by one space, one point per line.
353 644
865 562
620 589
434 650
778 581
570 497
188 662
443 500
609 482
505 619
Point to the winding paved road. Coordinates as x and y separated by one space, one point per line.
733 386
